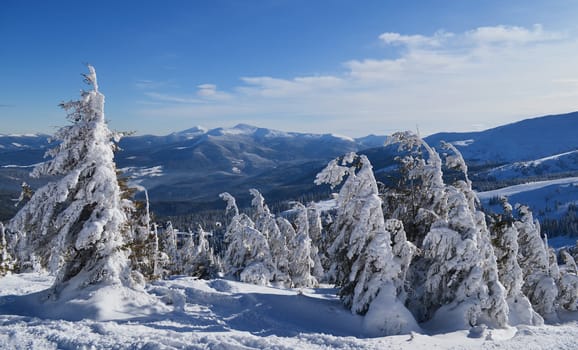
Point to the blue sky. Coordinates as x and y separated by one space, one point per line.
345 67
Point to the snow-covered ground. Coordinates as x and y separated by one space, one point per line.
221 314
530 186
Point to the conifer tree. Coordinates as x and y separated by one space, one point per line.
362 258
6 261
76 223
247 257
568 283
505 241
533 258
403 252
266 223
300 262
168 246
316 235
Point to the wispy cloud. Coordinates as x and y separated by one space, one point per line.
445 81
511 35
415 40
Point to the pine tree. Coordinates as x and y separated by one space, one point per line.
403 252
168 246
316 235
198 260
505 241
533 258
6 261
266 223
247 257
492 293
364 265
187 254
75 225
418 199
568 283
461 278
142 237
300 262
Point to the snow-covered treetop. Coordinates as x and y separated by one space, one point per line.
421 166
231 203
87 141
258 202
455 160
90 78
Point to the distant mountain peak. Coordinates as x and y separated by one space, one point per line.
194 129
243 126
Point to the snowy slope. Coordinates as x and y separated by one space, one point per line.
562 163
220 314
521 141
547 199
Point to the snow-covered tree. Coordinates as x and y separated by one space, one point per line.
461 277
186 254
533 258
569 262
316 235
505 241
6 261
75 224
364 265
492 293
418 199
301 264
266 223
403 252
143 238
198 259
568 283
168 246
456 285
247 257
232 210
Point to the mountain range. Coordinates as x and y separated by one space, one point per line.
185 171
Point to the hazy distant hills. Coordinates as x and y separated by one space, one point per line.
185 171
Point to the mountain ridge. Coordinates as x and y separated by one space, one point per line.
186 170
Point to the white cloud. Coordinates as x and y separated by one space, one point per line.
210 92
448 81
511 35
437 39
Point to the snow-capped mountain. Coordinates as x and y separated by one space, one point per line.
186 170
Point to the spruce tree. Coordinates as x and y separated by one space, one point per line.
301 265
75 224
6 261
505 241
266 223
539 286
248 257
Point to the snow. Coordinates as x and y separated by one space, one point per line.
326 205
20 166
508 191
140 172
553 157
222 314
463 143
19 135
342 137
